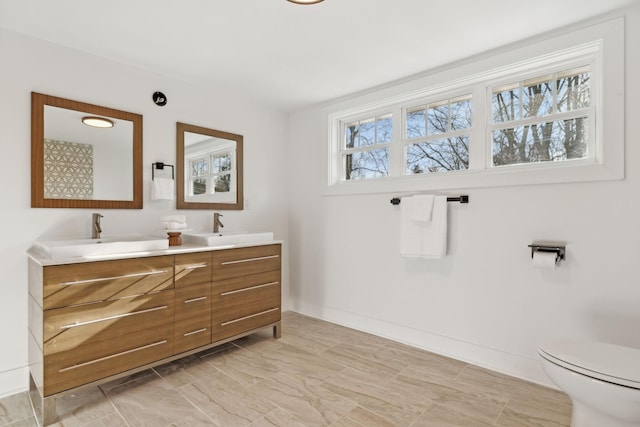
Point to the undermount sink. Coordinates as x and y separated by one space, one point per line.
101 246
227 238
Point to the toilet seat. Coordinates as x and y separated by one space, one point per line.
607 362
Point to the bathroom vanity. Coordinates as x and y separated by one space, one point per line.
91 321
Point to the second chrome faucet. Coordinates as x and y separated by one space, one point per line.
95 226
217 224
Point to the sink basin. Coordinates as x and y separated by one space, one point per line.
102 246
230 238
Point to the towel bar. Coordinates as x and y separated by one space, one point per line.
160 166
461 199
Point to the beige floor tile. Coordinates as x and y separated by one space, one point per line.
294 361
277 418
83 408
382 397
226 401
536 413
243 365
440 416
16 407
362 417
152 401
400 356
356 356
27 422
309 404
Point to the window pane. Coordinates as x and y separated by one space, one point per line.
542 142
367 164
461 113
221 162
222 183
199 167
573 90
198 186
537 97
383 129
416 124
438 156
506 103
437 118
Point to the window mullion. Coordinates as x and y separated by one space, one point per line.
396 148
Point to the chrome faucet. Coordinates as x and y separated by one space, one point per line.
217 224
96 229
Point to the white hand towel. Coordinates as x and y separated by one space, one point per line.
421 239
422 207
162 189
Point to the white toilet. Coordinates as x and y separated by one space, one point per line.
602 380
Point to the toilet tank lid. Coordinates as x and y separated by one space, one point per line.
609 362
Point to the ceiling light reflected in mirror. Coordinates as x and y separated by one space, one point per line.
97 122
305 1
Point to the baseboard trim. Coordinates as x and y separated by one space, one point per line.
14 381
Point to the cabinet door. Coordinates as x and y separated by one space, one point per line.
193 317
73 284
193 269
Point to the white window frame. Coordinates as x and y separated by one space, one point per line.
600 46
228 196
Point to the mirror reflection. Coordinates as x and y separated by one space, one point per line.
84 165
209 168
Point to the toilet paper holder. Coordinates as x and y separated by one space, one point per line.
559 250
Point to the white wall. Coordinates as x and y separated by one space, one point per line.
484 303
32 65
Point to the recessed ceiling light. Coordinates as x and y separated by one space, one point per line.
97 122
305 1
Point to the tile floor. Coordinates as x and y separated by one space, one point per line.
317 374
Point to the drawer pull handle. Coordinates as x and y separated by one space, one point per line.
195 332
195 266
102 279
249 289
187 301
117 316
249 260
249 317
102 359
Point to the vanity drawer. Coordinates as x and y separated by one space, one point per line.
70 328
245 261
73 284
193 317
242 304
192 269
87 363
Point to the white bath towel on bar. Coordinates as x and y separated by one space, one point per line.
162 189
422 207
422 239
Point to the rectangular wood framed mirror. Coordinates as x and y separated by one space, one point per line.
209 168
79 164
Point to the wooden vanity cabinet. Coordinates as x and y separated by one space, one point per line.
246 290
96 321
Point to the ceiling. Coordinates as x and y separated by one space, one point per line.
288 56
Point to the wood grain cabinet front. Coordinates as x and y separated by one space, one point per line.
88 342
246 290
96 321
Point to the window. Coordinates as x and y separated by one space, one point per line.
545 119
366 148
544 113
437 136
211 173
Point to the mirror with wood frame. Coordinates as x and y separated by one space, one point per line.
208 168
84 155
